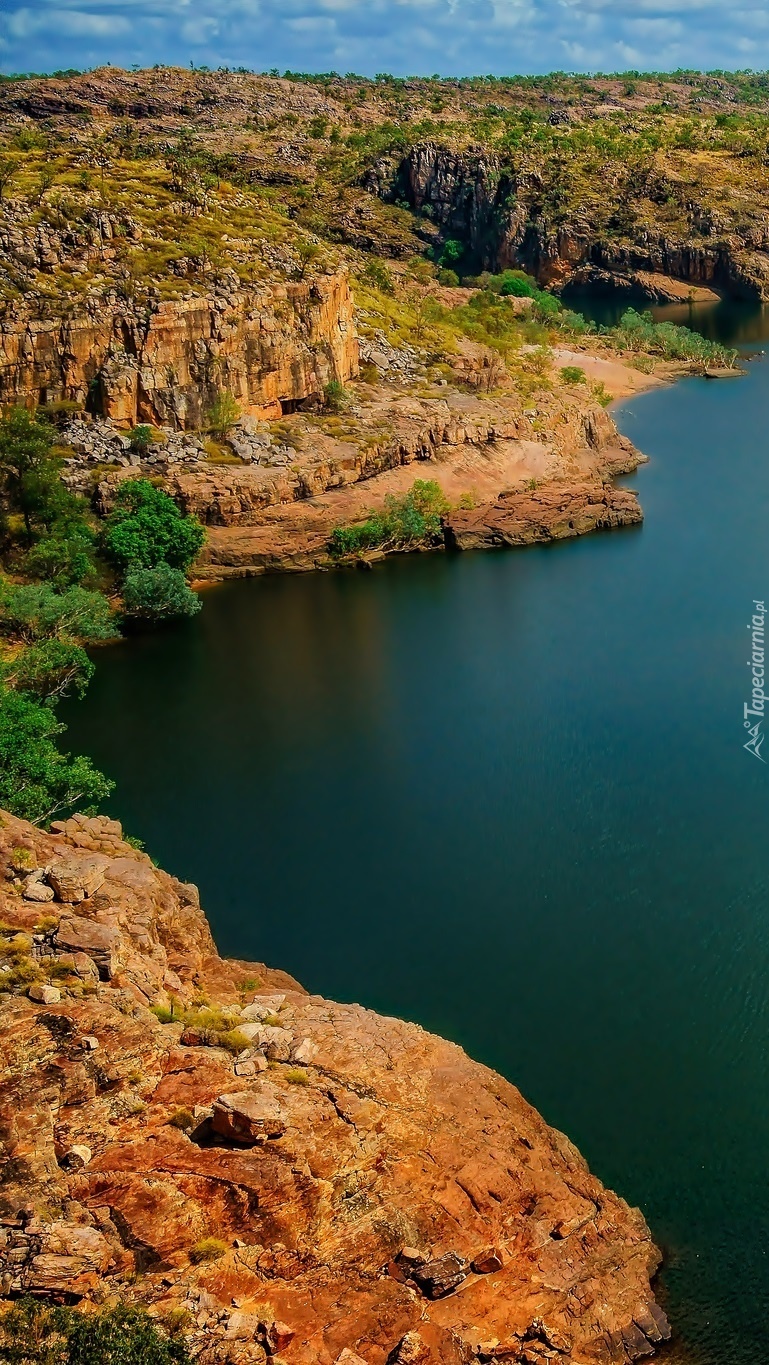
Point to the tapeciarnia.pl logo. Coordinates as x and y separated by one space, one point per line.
755 707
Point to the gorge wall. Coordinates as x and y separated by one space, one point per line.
374 1195
272 347
507 220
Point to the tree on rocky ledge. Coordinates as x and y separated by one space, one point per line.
146 529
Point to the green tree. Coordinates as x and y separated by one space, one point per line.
37 780
140 438
49 670
223 415
28 469
159 594
35 611
146 528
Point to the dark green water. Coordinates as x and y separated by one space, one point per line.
506 796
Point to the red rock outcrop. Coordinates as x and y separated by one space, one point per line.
555 511
272 347
374 1194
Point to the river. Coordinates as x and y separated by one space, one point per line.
506 795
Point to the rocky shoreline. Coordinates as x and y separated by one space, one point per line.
290 1179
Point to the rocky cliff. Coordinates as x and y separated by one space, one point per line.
508 218
272 347
290 1179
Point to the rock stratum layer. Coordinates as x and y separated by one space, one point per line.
376 1195
272 348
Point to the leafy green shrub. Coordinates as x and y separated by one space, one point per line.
28 471
448 278
146 528
36 779
639 332
160 594
65 557
412 520
573 374
514 284
35 611
451 252
33 1332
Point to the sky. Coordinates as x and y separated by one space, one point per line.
403 37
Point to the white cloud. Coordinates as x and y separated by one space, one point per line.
404 36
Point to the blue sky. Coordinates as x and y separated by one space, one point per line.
452 37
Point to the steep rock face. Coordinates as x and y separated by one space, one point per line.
272 348
505 222
376 1195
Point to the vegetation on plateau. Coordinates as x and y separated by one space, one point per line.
67 585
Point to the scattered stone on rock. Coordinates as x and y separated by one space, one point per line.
36 888
45 995
412 1349
440 1277
262 1007
277 1043
77 1157
487 1261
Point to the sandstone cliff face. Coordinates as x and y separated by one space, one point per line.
377 1195
504 220
272 347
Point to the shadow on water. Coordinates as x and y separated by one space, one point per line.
506 795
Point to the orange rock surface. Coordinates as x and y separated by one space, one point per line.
374 1195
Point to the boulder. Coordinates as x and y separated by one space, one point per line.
36 889
248 1117
263 1006
277 1044
100 942
441 1276
44 995
412 1349
77 878
487 1261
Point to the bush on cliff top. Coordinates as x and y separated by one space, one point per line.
146 528
37 1333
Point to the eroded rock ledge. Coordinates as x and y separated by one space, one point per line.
378 1196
